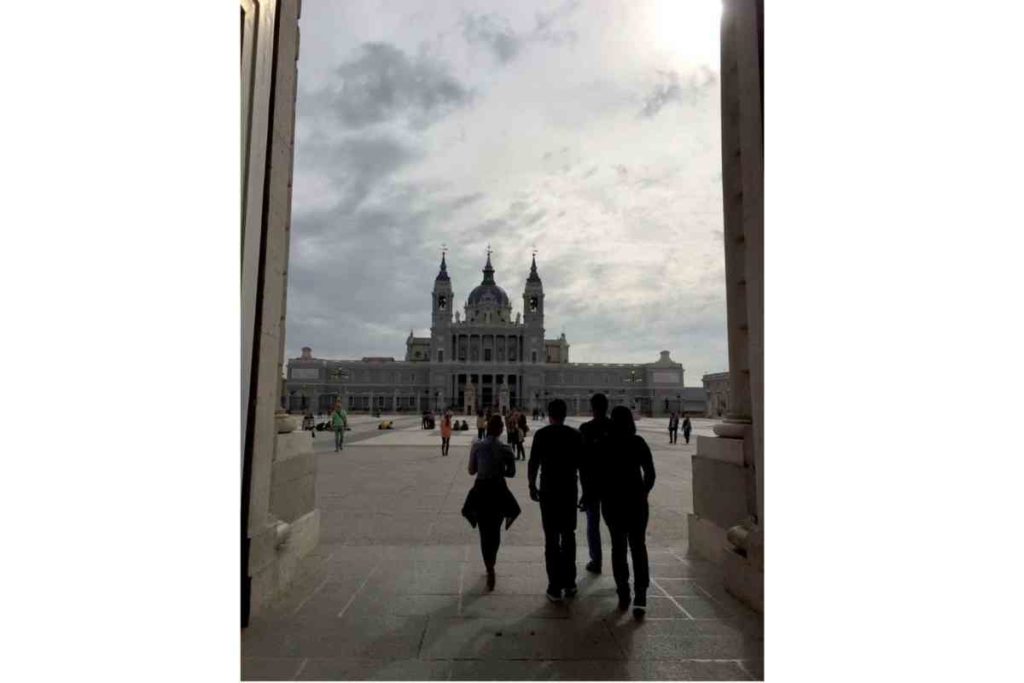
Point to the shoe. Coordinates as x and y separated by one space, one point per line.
571 591
554 595
640 606
490 579
594 567
624 601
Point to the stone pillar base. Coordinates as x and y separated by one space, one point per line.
282 548
293 528
707 539
743 579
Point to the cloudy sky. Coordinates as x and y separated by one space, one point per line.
585 129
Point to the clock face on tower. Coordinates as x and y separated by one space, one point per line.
533 304
442 302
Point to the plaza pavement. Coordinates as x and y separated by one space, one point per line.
396 589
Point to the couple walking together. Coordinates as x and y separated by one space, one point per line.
616 471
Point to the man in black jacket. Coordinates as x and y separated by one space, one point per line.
596 434
556 451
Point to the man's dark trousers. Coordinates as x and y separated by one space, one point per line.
558 518
594 532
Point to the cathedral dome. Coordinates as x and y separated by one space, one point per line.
490 294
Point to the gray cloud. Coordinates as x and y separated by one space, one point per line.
546 29
355 167
493 32
383 83
672 88
354 276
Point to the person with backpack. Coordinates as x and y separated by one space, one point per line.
626 477
686 429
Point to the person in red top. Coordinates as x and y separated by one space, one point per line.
446 433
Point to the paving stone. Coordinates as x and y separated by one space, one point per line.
687 670
539 670
755 667
374 670
405 605
686 639
517 639
497 606
680 587
700 607
269 668
534 584
396 551
377 637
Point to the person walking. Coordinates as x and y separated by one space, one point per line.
490 501
687 427
481 424
673 427
596 436
626 477
446 433
523 430
557 450
512 428
339 423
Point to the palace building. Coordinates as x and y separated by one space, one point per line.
485 357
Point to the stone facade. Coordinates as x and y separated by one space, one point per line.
485 356
716 388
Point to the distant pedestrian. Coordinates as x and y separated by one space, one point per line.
556 452
673 427
339 423
596 437
523 430
626 478
490 501
481 424
512 428
446 433
686 429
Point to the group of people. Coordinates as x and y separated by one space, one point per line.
615 470
673 428
515 428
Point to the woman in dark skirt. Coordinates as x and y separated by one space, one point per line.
626 477
490 501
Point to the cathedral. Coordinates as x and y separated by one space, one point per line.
485 357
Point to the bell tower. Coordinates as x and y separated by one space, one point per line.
441 297
533 315
441 313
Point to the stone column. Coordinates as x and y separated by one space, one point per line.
727 523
